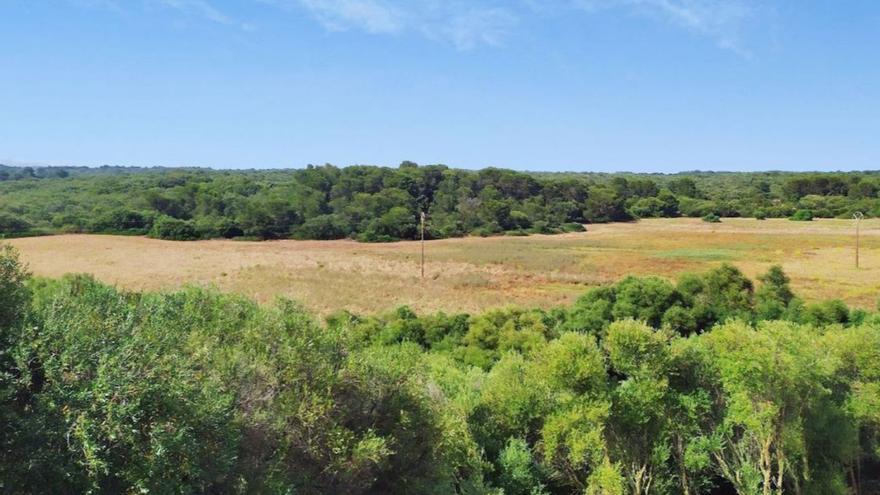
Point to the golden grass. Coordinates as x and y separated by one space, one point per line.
474 273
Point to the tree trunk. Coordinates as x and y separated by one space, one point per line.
853 480
767 466
780 476
682 470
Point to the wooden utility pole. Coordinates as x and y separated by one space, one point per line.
423 244
858 216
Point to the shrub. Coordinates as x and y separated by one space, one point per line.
216 227
13 293
70 222
323 227
826 313
16 424
11 224
647 208
518 469
122 221
712 218
718 295
774 296
519 220
397 223
173 229
802 216
488 230
644 299
680 320
372 236
697 207
196 391
540 227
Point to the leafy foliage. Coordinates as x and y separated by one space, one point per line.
643 387
376 204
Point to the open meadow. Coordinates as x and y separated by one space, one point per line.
472 274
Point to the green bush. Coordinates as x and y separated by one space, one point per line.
712 218
195 391
174 229
488 231
122 221
323 227
519 220
217 227
802 216
396 224
14 295
647 208
11 224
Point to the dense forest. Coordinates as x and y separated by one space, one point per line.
384 204
714 384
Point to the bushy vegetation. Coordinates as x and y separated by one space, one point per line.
713 384
384 204
802 216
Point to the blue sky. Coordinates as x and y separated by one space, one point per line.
603 85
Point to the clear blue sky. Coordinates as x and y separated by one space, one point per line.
606 85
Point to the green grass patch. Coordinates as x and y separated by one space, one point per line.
697 254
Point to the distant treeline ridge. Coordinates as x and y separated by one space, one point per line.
377 204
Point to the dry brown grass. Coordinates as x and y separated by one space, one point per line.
474 273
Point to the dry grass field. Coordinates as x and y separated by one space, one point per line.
476 273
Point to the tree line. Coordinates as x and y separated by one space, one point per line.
713 384
377 204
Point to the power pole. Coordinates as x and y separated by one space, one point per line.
857 216
423 244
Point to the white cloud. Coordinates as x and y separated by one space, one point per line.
476 27
199 8
470 23
373 16
203 9
721 20
475 22
462 23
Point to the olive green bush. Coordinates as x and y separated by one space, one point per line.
703 386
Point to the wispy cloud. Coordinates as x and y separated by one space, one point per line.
373 16
467 24
464 24
487 22
205 10
721 20
200 8
488 26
